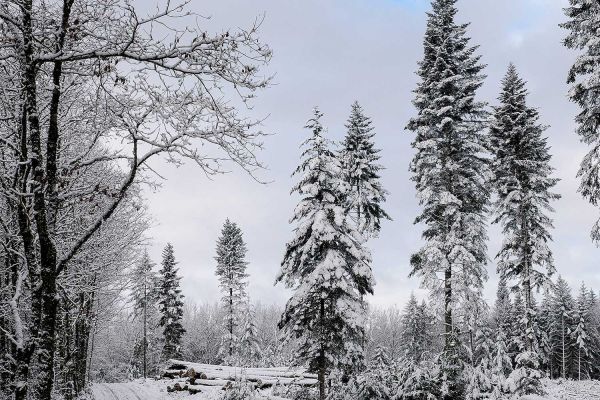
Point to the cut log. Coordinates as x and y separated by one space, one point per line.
193 389
190 373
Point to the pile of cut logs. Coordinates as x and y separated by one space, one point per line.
192 377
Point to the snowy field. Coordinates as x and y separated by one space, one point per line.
156 390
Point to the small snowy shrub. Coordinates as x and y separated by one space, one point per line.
295 392
238 390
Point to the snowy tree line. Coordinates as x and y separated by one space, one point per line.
92 93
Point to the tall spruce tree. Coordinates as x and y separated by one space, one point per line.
360 168
144 299
170 304
523 183
231 270
326 266
584 34
450 171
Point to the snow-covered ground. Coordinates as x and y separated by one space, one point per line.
151 389
570 390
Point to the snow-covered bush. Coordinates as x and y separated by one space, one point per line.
418 381
238 390
295 392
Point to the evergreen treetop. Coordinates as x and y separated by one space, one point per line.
359 164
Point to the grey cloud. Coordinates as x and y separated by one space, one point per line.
329 54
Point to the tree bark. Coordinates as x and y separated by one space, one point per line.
322 368
45 293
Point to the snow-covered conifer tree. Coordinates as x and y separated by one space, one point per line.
450 171
500 361
584 33
546 329
231 270
250 350
170 305
361 171
376 383
326 266
502 308
563 310
416 331
581 335
523 183
479 386
144 298
594 333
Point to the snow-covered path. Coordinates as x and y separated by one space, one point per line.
149 389
126 391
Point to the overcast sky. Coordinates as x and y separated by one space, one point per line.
330 53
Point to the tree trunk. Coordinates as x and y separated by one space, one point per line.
322 368
562 322
231 322
579 363
448 324
145 343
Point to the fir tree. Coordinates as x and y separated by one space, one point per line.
501 364
170 305
419 381
250 350
376 382
584 33
563 308
361 171
503 309
416 330
523 183
480 385
546 332
144 298
594 334
501 367
326 266
581 335
450 172
231 270
518 333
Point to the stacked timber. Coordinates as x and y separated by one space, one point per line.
193 377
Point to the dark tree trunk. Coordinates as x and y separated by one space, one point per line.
322 367
448 323
231 322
